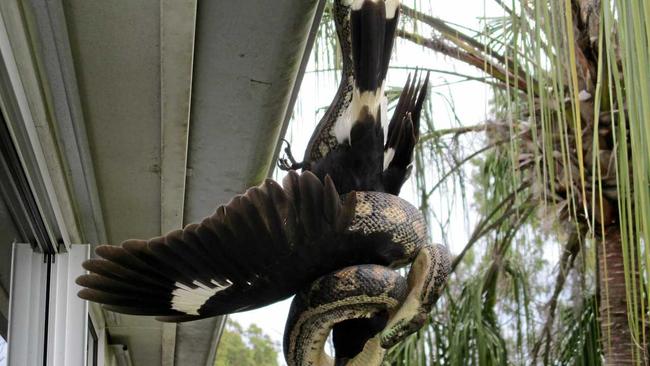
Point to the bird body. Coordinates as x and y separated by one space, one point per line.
332 235
260 248
366 152
355 143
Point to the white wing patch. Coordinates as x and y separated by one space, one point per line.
383 106
358 4
374 100
343 125
388 157
189 300
391 8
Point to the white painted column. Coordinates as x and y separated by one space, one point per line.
26 307
68 314
46 318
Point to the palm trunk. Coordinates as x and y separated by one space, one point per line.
618 345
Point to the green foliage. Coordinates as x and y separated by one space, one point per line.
561 161
250 347
580 345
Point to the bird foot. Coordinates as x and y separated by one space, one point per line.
288 162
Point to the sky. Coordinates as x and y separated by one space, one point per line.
3 352
317 90
470 98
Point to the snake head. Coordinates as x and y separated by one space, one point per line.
427 277
399 329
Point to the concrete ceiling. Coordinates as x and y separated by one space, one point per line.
172 107
116 53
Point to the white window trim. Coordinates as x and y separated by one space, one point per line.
64 328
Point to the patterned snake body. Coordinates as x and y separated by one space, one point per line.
396 231
360 150
338 253
353 292
323 139
273 242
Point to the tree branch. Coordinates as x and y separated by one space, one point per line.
454 131
566 263
465 160
481 229
463 41
439 45
442 27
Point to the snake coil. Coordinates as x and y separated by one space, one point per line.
398 306
334 237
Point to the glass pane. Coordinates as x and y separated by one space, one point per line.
91 346
3 352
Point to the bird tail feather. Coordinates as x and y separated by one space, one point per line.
403 133
372 33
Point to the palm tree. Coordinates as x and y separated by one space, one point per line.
564 161
568 142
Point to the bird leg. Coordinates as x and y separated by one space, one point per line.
426 278
289 162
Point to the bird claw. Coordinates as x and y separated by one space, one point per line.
283 164
288 162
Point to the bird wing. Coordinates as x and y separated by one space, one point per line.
255 250
403 134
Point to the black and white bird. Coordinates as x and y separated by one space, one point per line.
354 142
338 224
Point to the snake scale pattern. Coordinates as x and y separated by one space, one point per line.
323 140
337 249
363 291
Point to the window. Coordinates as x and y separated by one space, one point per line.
91 345
3 352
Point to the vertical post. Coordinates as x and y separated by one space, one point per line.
47 321
26 307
